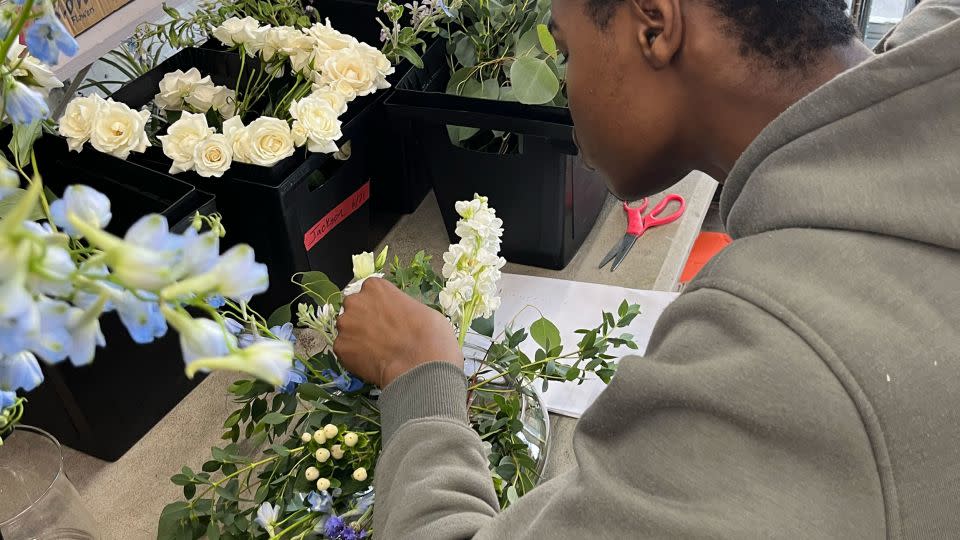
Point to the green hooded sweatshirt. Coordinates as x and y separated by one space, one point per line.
807 382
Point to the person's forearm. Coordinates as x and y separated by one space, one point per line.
432 480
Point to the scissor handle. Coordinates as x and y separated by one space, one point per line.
635 217
654 219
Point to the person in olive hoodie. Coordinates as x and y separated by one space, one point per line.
807 382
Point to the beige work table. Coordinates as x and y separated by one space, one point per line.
126 497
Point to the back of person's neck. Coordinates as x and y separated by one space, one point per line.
737 116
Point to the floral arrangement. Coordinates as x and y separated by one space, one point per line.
62 270
206 131
317 438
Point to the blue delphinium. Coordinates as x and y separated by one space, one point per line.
334 527
22 104
216 301
346 382
295 376
319 502
47 37
142 317
7 399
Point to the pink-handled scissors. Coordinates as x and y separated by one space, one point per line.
638 223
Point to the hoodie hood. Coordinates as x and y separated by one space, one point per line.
876 149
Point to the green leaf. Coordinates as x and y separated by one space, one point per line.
10 201
545 333
465 52
211 466
490 89
547 42
280 316
169 524
572 373
280 449
189 491
534 83
226 493
232 420
622 310
528 44
410 54
319 287
213 531
180 479
512 494
483 327
274 418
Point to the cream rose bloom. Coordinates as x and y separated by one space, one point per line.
349 73
335 99
319 120
182 139
238 137
299 133
213 156
204 97
177 86
235 31
327 40
378 60
285 40
76 124
269 141
119 130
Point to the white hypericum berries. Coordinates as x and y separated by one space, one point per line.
336 451
319 437
323 484
306 437
312 473
350 439
360 474
322 455
330 431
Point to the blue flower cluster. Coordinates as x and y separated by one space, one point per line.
336 529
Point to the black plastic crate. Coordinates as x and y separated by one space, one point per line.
308 212
548 200
104 408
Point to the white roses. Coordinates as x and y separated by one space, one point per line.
213 156
181 90
318 122
269 141
182 140
240 32
110 127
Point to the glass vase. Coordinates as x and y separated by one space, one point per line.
37 500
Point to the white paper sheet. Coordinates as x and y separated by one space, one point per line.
572 305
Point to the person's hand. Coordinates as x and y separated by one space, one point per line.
383 333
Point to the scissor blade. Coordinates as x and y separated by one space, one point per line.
628 243
617 249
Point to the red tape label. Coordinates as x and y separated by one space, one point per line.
336 216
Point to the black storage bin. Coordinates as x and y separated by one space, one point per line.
104 408
548 200
308 212
399 180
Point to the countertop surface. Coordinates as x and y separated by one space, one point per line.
126 497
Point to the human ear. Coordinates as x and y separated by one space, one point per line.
659 29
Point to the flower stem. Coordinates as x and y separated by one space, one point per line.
14 31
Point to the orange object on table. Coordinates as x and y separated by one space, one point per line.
705 247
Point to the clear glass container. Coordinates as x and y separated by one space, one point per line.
37 500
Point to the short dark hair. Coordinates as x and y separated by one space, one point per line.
789 33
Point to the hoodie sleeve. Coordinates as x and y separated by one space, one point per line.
926 17
730 427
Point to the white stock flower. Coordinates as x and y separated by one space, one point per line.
119 130
349 73
269 141
323 320
472 267
212 157
235 31
239 139
76 124
182 139
320 122
177 86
